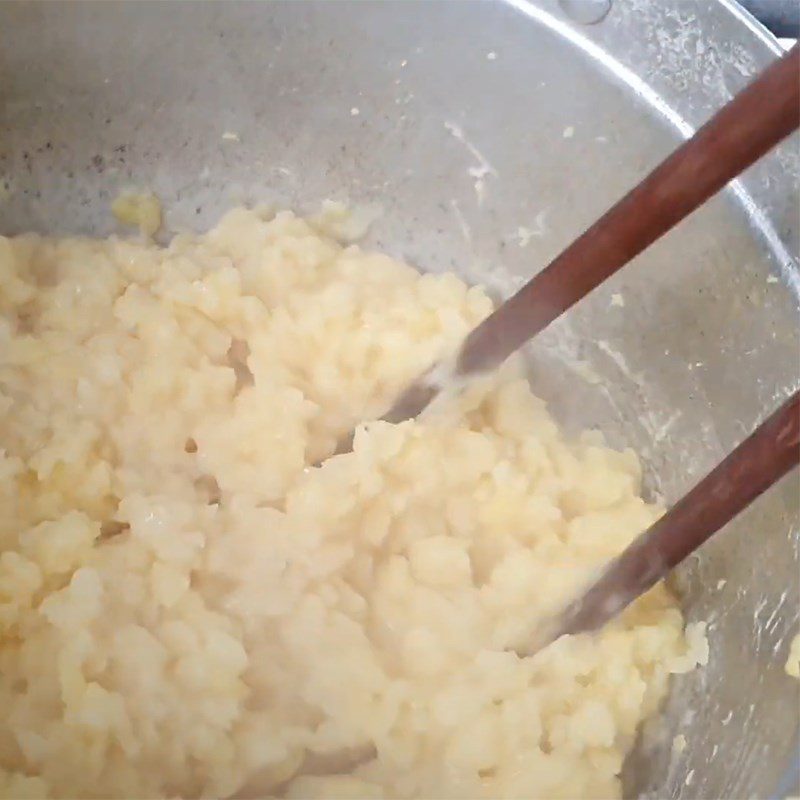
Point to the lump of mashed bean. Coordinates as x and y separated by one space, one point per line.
189 608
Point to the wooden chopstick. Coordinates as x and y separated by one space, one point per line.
759 117
757 463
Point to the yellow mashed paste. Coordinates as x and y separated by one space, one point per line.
188 608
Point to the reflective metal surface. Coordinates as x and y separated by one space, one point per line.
489 134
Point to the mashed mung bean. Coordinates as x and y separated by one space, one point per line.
189 607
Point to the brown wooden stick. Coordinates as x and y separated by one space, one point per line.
747 127
758 462
740 133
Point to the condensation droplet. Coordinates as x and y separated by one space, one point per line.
585 12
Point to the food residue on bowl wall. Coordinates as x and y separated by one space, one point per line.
793 661
138 209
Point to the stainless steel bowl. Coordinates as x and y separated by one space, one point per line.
489 134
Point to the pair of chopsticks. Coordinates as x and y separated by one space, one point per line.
759 117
